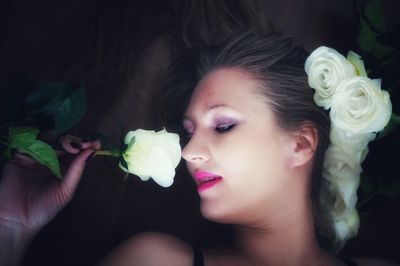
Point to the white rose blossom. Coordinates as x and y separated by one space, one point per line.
357 62
152 154
343 172
355 146
359 109
326 68
359 106
347 225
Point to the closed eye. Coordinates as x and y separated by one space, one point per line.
187 130
185 137
224 128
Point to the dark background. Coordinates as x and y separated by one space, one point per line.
119 50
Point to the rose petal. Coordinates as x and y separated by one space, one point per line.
326 68
360 107
153 154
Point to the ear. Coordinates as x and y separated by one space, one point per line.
304 143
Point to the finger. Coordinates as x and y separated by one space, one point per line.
24 161
75 171
71 144
95 145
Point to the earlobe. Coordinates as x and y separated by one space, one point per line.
305 144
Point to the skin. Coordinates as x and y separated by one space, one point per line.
226 127
271 161
229 122
265 196
30 196
264 167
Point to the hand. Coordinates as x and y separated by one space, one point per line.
30 196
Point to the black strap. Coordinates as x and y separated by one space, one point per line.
198 258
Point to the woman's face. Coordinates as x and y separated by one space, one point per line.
236 152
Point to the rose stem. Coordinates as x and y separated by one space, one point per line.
114 153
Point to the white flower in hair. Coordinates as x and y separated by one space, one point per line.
347 225
359 106
326 68
359 109
357 62
343 171
355 146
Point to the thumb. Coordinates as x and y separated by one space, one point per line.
75 171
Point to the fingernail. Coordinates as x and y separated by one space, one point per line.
75 145
90 157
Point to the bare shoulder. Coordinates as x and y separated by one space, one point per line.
150 248
367 261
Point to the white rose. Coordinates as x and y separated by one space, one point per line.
359 106
355 146
343 172
326 68
348 224
357 62
152 154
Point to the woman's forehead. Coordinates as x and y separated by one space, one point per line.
226 84
231 87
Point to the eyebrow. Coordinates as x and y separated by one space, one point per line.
216 106
210 108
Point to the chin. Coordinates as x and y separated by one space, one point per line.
218 215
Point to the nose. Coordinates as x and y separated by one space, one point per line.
196 150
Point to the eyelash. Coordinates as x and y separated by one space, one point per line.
220 129
186 137
224 128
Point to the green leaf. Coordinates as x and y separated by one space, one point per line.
372 26
391 191
70 111
367 40
45 155
47 98
21 137
64 104
123 163
124 149
366 37
133 139
375 14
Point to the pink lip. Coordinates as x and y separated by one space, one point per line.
201 175
206 180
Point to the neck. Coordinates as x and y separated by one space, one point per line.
288 240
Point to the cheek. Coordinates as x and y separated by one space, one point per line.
263 159
250 161
259 153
